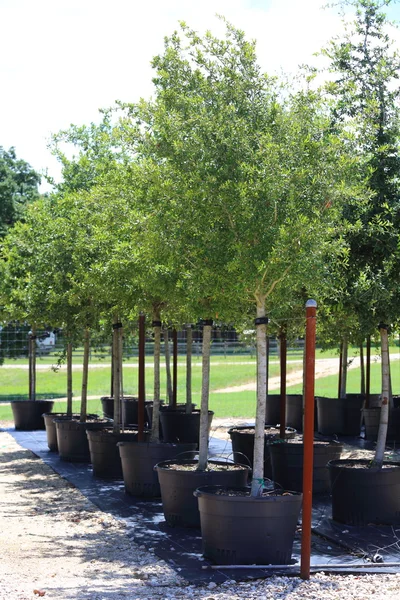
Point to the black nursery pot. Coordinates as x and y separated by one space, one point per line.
28 414
340 416
241 530
242 438
104 453
138 460
178 484
287 464
294 411
51 432
73 445
181 427
372 418
362 494
107 403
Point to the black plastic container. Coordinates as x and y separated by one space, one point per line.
242 438
104 453
51 432
294 411
138 461
365 495
273 409
242 530
177 486
181 427
73 445
340 416
371 420
287 464
28 414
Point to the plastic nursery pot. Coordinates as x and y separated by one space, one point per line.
28 414
341 416
107 404
287 464
362 494
240 530
294 411
138 460
181 427
372 418
273 408
179 479
51 432
72 441
242 438
104 453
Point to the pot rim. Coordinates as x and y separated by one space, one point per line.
209 491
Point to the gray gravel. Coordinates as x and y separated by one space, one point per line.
57 545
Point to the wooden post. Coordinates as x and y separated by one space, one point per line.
308 439
141 382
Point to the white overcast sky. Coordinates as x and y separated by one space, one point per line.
61 60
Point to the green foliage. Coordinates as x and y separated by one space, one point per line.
18 187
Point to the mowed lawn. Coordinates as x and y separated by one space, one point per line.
225 373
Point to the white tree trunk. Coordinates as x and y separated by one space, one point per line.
343 381
189 346
384 418
168 366
205 391
85 374
69 379
257 483
155 427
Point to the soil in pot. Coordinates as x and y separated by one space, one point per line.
104 453
28 414
181 427
72 440
362 494
138 461
178 480
238 529
51 432
243 444
287 464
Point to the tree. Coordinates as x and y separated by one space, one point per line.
18 187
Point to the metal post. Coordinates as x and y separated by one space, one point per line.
308 439
141 382
283 358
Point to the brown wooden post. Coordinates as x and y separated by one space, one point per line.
141 382
308 439
174 368
283 359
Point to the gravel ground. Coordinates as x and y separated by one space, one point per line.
55 544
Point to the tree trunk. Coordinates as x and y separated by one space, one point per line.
343 385
257 483
340 369
168 366
283 359
32 364
85 374
384 418
116 375
368 372
362 370
189 347
205 391
155 427
69 379
175 368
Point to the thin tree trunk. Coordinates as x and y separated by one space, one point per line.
257 483
343 385
30 377
116 375
175 368
340 369
155 427
205 392
384 417
168 366
283 359
112 367
32 388
368 373
362 370
85 374
69 379
189 348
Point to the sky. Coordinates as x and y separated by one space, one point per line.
62 60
